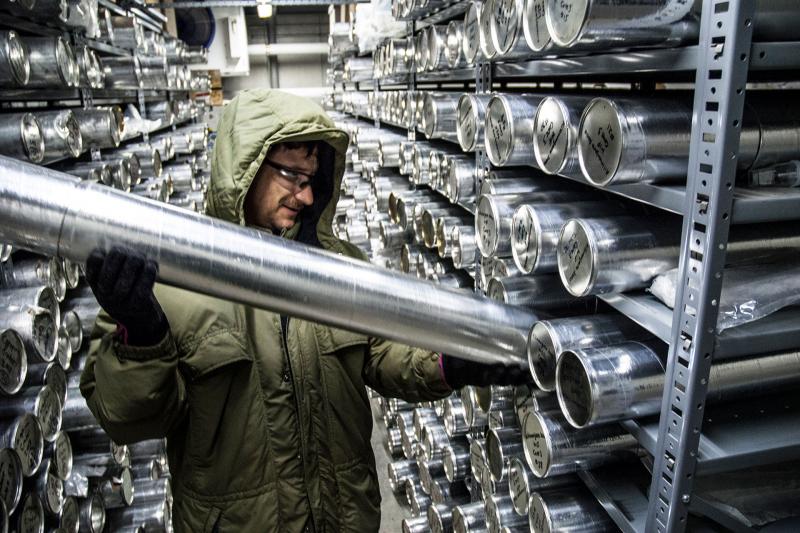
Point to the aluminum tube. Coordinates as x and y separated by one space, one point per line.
542 292
437 46
548 339
534 26
407 207
456 461
21 137
501 446
23 434
61 133
610 383
553 447
122 72
76 413
421 42
69 521
470 46
389 153
420 171
100 127
43 402
391 236
440 518
49 488
417 500
13 361
87 310
431 219
495 213
500 513
444 492
603 24
485 30
52 63
506 29
149 469
434 441
477 456
503 182
444 233
469 517
92 513
573 509
52 374
464 248
439 116
11 487
73 329
15 68
536 229
33 271
455 323
626 381
60 455
522 483
418 524
422 417
399 472
90 73
393 442
421 229
166 150
460 187
31 515
149 158
150 490
36 328
93 447
117 491
429 471
19 298
72 273
509 129
471 118
503 418
476 417
454 44
127 32
492 398
556 133
152 516
488 485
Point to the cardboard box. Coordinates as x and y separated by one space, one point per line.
216 79
216 97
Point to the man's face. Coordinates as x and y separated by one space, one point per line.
281 188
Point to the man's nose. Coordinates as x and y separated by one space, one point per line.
305 196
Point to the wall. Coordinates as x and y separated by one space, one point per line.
288 25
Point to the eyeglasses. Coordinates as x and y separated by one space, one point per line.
292 176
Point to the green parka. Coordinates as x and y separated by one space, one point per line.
266 432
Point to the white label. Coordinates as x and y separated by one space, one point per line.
536 444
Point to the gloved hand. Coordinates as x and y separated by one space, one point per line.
122 281
461 372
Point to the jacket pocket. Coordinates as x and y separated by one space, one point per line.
213 352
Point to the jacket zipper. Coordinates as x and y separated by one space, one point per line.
288 376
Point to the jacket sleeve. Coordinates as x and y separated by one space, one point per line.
135 393
400 371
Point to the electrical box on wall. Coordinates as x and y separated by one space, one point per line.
228 50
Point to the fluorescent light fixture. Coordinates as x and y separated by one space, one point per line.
264 10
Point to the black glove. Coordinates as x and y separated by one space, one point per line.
122 281
461 372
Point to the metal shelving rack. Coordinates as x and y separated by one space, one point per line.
658 495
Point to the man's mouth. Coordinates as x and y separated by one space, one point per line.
292 209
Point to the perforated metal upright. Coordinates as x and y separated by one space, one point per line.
722 65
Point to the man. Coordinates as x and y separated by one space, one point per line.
267 417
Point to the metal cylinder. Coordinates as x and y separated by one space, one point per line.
454 44
556 133
127 32
87 309
536 229
434 441
150 490
471 118
69 521
418 524
573 509
598 256
440 518
485 34
500 513
90 73
122 72
509 129
506 29
439 116
76 413
72 326
456 462
553 447
19 298
495 212
61 133
534 26
36 328
23 434
13 361
477 456
542 292
471 33
153 516
92 513
460 186
429 472
10 479
437 46
501 446
394 442
469 517
149 158
49 488
31 515
15 68
117 491
60 455
52 63
464 248
399 473
42 402
21 137
423 416
417 499
601 24
33 271
100 127
48 374
522 483
548 339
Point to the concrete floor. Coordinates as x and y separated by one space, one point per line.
392 512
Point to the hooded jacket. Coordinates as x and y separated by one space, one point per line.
267 419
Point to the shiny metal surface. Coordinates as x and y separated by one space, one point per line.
37 329
542 292
454 39
399 472
485 25
52 63
21 137
60 455
117 491
534 26
469 517
417 524
417 500
43 402
500 513
439 116
92 513
460 186
471 118
122 72
15 68
48 374
464 248
506 30
568 510
11 474
148 158
23 434
602 24
152 516
61 134
609 383
49 488
31 516
552 447
73 328
536 229
555 134
509 129
501 445
456 461
19 298
90 73
550 338
35 271
471 46
13 361
437 47
522 484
